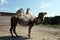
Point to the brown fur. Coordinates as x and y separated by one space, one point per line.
15 19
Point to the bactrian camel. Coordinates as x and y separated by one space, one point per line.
25 20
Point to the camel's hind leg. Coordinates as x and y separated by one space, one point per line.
11 31
13 26
14 30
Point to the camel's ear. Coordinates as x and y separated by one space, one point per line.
45 13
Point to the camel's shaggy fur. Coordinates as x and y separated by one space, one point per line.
25 19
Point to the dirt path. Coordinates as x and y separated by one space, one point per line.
39 32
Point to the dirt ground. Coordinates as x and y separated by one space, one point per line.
39 32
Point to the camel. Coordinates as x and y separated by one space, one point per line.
28 12
22 20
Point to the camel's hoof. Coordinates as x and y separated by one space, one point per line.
28 36
17 36
13 36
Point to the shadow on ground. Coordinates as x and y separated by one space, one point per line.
10 38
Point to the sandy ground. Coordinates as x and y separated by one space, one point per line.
39 32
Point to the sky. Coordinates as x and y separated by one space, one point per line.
52 7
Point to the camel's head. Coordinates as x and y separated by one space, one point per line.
20 10
40 18
42 14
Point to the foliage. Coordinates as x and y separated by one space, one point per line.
52 20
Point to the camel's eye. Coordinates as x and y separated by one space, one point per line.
45 13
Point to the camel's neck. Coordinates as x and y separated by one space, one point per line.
39 20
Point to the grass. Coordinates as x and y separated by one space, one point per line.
53 26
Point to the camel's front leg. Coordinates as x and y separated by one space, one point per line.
11 30
29 30
14 30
